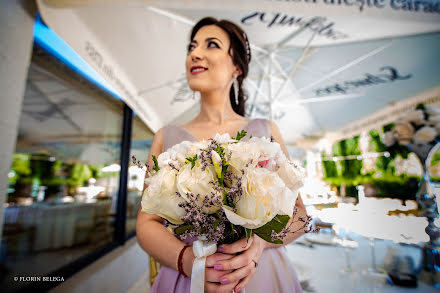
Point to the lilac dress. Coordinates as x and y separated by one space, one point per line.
274 273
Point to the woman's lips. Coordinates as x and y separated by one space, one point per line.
198 69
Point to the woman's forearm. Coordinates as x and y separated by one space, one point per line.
159 243
296 226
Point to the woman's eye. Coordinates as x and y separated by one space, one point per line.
213 45
190 47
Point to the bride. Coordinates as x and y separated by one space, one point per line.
216 65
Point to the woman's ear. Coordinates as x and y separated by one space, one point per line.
238 71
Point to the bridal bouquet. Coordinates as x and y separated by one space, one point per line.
222 190
225 189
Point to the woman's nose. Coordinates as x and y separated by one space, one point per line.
196 53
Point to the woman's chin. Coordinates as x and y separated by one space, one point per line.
197 87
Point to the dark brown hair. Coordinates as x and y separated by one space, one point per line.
239 51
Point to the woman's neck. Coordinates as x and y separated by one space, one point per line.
216 109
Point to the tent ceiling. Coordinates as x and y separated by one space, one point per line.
315 68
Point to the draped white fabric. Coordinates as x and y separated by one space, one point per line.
317 66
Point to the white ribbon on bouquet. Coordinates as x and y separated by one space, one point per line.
202 249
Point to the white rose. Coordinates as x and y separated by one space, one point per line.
224 138
196 181
163 159
425 135
292 175
388 138
263 194
268 149
241 154
160 196
255 151
196 148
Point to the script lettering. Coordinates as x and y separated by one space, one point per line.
390 74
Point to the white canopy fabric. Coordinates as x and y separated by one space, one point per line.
317 65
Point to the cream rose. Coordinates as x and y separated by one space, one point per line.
293 176
179 152
425 135
260 201
256 150
224 138
160 196
241 154
404 132
196 181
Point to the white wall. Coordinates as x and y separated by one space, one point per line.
116 272
16 35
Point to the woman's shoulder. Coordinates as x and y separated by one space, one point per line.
157 143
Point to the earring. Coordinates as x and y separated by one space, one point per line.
194 95
235 85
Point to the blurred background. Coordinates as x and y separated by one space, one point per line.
353 87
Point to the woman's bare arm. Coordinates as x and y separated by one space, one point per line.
163 246
301 210
151 233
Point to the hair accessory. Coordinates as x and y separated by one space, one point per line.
235 85
248 48
179 261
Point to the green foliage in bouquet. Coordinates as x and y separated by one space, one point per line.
276 225
189 160
240 135
156 165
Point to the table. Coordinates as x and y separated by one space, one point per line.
322 266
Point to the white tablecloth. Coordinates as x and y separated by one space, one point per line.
322 266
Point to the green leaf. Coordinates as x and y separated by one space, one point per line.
240 135
224 169
248 233
277 224
156 165
192 160
216 222
182 229
220 151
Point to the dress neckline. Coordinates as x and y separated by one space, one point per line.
195 138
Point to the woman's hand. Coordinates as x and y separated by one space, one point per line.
241 267
212 277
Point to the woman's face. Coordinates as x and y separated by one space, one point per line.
209 66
